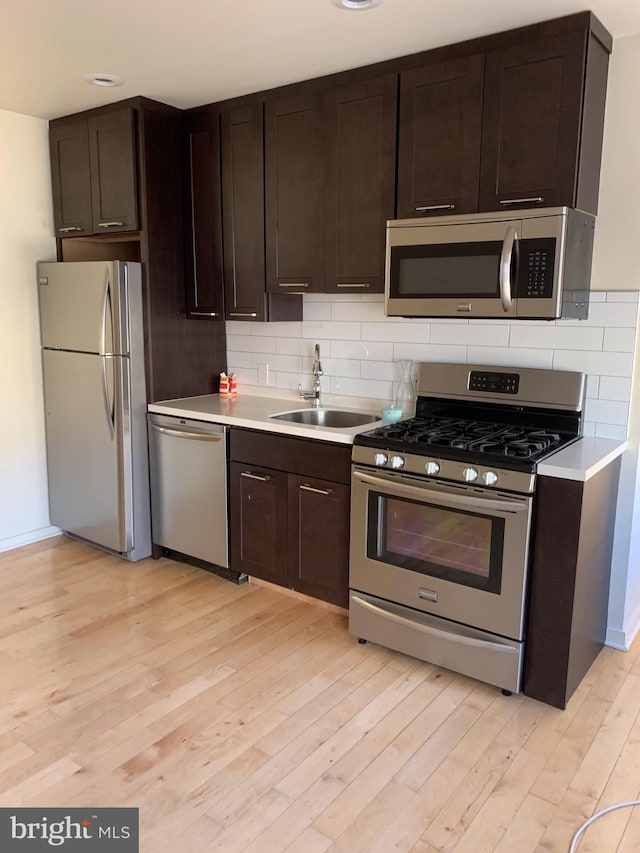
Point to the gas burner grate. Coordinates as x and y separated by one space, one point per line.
480 437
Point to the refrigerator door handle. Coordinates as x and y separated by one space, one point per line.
107 313
108 405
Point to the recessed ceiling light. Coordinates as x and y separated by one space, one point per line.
355 4
103 80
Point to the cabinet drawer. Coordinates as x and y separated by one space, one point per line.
308 458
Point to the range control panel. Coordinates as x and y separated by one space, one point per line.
495 383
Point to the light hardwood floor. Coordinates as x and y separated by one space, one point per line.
239 718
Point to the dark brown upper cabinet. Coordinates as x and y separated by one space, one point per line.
440 128
204 218
360 185
243 212
112 155
71 178
519 126
534 98
295 145
93 165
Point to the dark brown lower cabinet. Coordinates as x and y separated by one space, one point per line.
288 525
570 575
259 522
319 539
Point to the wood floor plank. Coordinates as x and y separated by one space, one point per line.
238 718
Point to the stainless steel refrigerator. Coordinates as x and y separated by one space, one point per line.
95 403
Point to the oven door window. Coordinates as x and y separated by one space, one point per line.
447 270
460 546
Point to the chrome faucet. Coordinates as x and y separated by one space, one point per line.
314 394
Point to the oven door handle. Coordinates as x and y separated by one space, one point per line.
432 631
424 492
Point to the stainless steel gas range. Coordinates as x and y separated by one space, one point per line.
441 515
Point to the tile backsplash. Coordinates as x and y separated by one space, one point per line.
359 348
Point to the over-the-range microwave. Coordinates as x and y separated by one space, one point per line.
535 264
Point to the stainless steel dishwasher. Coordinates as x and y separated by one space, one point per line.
188 464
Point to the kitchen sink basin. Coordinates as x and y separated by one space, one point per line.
326 418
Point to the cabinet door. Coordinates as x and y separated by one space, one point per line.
531 127
258 518
71 178
113 172
204 219
319 539
295 186
243 212
439 138
360 191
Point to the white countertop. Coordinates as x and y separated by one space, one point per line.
253 411
582 459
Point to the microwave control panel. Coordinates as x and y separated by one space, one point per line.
536 268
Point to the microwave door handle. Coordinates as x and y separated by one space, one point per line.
505 267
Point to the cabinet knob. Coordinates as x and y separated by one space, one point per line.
70 228
110 224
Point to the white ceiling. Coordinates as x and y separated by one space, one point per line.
198 51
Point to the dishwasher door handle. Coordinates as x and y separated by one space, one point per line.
181 433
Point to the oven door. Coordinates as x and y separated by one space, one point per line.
458 552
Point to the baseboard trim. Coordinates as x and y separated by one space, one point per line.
28 538
623 639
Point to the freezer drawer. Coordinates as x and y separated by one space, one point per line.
188 461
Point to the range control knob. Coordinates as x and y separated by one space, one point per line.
469 475
432 467
397 461
381 458
490 478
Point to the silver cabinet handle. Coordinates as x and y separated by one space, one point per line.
254 476
436 207
70 228
293 284
537 200
242 314
355 284
183 433
205 313
307 488
510 238
110 224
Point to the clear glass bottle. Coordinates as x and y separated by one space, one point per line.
404 396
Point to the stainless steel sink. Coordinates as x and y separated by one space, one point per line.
326 418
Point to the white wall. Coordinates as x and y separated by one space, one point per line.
359 344
615 264
25 237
